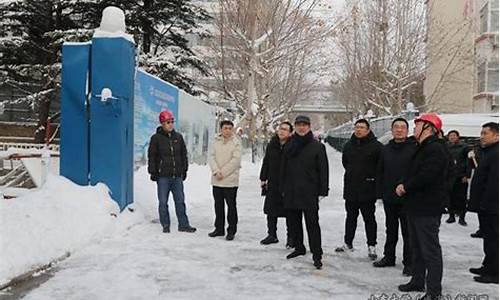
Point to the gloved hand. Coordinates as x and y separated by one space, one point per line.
154 177
184 176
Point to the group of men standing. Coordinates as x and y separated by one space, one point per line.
416 178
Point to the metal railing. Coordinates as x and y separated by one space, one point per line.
338 136
4 146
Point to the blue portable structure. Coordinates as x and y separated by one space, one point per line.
97 136
111 120
74 161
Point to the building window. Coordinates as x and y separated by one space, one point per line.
494 16
494 4
481 77
492 85
494 104
488 17
487 76
483 18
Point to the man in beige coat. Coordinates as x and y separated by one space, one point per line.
225 164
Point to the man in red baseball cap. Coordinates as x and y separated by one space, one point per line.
168 165
424 188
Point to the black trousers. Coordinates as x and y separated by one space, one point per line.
227 195
488 223
367 210
313 230
272 225
395 215
458 197
426 252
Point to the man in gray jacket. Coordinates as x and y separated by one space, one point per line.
225 164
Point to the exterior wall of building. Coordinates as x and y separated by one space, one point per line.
485 87
449 71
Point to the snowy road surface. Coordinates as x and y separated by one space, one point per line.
141 262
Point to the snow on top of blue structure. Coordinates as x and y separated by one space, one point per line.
113 25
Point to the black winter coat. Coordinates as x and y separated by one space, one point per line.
167 155
360 159
484 185
426 184
305 173
459 159
270 172
449 173
394 163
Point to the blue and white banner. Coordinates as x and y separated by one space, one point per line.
152 95
197 125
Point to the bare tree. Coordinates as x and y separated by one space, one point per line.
383 50
266 58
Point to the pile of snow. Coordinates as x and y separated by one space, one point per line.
112 24
45 224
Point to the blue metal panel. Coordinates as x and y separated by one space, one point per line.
111 126
74 163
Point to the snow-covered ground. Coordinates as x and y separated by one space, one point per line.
138 261
45 224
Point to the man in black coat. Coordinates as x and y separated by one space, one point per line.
458 194
474 156
484 201
168 165
395 160
424 187
305 177
271 183
360 159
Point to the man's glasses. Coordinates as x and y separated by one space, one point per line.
169 121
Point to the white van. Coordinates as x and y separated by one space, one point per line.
468 125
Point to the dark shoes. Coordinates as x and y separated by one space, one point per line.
269 240
215 233
318 264
451 219
181 229
344 248
296 252
384 262
477 271
317 261
187 229
478 234
486 279
483 277
461 219
411 287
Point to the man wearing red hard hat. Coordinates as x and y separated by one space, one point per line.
424 188
168 165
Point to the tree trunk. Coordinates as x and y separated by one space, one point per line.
43 115
146 29
251 89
